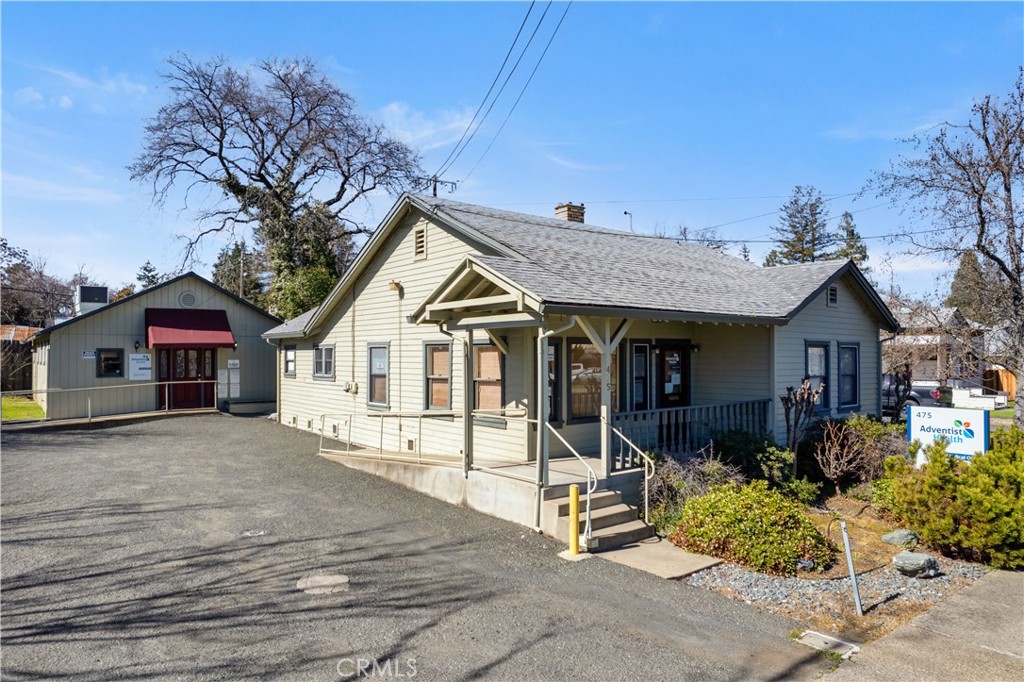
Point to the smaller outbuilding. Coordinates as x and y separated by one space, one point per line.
183 344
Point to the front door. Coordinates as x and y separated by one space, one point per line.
673 375
190 372
672 389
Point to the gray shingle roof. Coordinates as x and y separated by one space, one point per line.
290 328
577 264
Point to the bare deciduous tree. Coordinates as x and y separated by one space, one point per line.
283 148
969 178
836 454
798 407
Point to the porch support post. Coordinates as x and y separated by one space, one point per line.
606 341
543 391
468 396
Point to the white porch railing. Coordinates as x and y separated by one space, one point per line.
591 482
628 451
681 430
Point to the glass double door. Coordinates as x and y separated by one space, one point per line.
190 373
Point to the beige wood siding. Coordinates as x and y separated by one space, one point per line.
120 326
848 322
372 313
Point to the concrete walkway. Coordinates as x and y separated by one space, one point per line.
977 634
660 557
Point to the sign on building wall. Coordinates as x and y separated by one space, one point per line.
89 355
965 431
140 367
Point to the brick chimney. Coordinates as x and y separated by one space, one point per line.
570 212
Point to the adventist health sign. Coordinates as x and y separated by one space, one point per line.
965 431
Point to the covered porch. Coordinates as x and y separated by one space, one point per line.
614 384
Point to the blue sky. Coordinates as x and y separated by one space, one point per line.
696 114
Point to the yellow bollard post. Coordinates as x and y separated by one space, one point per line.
574 519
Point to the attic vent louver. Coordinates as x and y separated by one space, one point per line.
420 243
833 296
187 299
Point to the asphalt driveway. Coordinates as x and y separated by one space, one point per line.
172 549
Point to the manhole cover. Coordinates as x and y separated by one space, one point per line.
253 533
323 583
816 640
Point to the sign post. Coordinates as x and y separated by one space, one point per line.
966 432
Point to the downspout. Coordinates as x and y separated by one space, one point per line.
542 417
276 343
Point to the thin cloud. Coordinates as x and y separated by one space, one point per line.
573 165
64 102
28 96
422 130
33 188
117 84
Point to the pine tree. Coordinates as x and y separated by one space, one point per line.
147 276
745 253
981 294
851 245
252 264
802 234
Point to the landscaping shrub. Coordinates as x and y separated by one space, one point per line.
754 526
741 448
776 467
968 510
876 442
676 482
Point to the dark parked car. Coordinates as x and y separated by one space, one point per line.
920 395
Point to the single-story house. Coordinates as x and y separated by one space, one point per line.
431 356
185 343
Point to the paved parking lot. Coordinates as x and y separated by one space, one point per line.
172 549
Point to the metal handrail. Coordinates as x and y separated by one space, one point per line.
648 470
591 480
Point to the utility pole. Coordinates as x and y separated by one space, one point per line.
434 181
241 270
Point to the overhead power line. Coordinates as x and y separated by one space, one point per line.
523 91
465 140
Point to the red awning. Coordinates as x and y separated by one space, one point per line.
176 328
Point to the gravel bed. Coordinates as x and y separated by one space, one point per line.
810 596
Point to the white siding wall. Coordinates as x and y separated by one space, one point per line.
847 322
372 313
120 326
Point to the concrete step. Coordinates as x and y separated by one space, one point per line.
604 517
622 534
598 500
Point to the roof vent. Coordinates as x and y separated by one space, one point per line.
570 212
187 299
